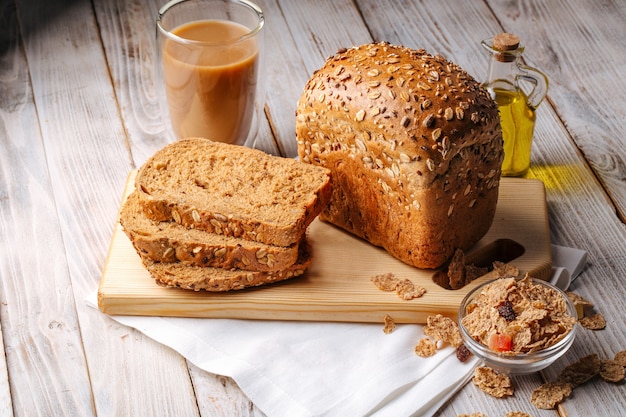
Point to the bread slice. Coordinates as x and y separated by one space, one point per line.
218 279
172 242
232 190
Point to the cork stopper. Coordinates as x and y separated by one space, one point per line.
505 42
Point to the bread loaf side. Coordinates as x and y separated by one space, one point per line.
414 146
172 242
232 190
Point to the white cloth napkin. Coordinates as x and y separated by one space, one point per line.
322 369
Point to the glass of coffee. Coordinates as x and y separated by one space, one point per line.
210 53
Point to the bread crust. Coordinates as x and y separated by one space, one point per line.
232 190
198 278
414 146
172 242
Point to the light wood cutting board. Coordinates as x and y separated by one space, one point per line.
338 285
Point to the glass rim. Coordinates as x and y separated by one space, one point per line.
251 33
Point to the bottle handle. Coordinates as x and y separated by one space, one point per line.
539 83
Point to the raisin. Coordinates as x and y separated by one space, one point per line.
506 311
463 353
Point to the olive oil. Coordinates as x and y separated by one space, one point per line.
516 105
517 120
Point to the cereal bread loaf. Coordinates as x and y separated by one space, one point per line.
414 146
172 242
232 190
218 279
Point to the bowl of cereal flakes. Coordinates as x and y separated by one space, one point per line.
517 325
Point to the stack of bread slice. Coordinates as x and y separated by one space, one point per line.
211 216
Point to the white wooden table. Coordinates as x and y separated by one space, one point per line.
79 109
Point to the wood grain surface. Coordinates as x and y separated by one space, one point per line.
80 107
337 287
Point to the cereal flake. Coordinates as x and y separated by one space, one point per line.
390 325
611 371
548 395
425 347
620 357
385 282
595 322
517 414
444 329
581 371
493 383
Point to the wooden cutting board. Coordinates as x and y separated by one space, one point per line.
338 285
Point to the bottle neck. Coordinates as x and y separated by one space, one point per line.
502 74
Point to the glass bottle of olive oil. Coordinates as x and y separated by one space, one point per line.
506 78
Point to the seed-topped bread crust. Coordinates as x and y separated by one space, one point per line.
172 242
414 146
232 190
198 278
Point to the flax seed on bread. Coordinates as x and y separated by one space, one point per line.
232 190
171 242
414 146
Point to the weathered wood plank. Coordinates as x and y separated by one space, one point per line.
44 358
586 76
6 405
87 156
574 196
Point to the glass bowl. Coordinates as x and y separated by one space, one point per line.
517 363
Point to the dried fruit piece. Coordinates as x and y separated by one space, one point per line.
500 342
506 311
463 353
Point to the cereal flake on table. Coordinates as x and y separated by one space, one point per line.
496 384
587 318
581 371
477 414
620 357
548 395
385 282
517 414
611 371
580 302
405 288
425 347
594 322
460 273
390 325
442 328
